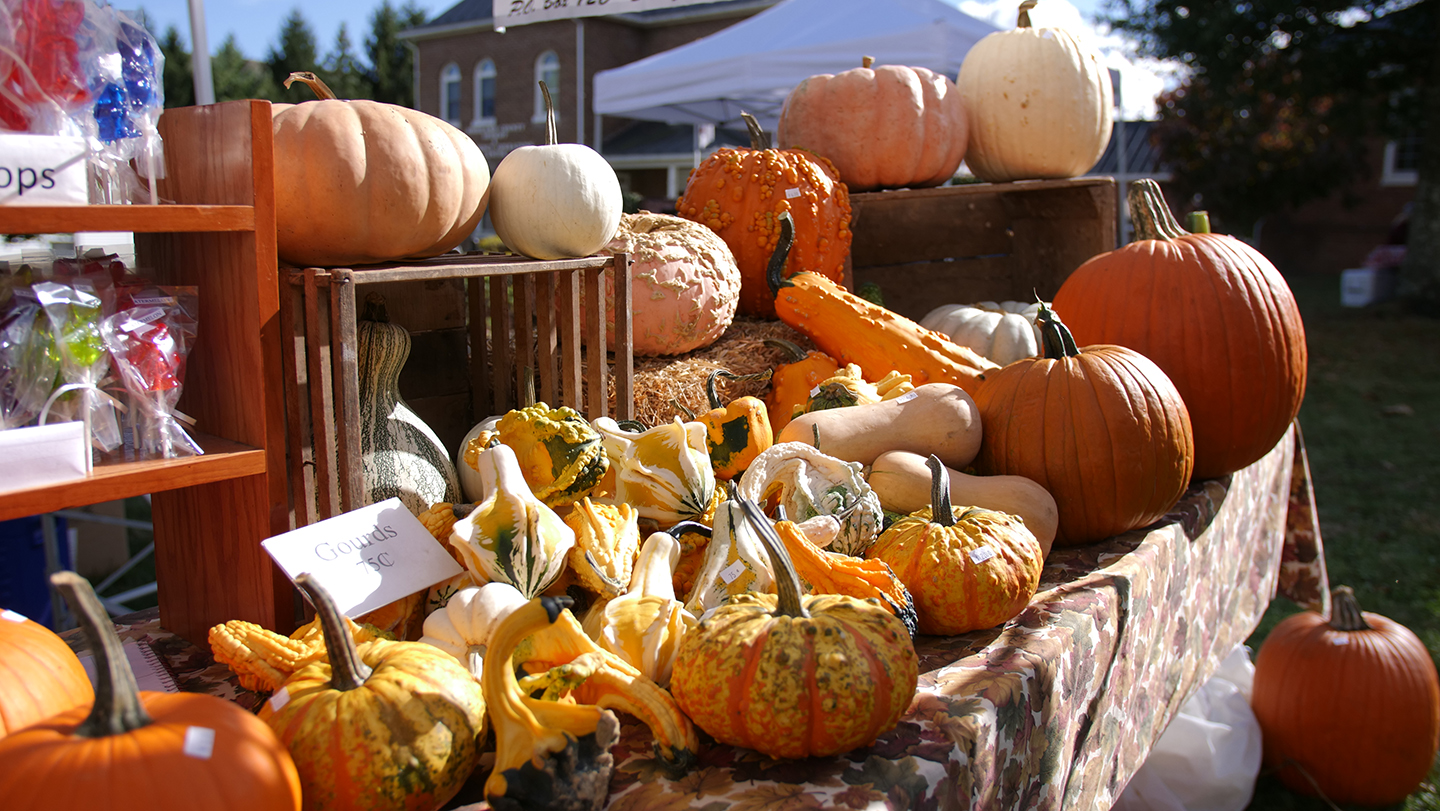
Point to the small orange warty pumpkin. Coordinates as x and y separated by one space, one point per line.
740 195
889 127
39 675
1213 313
1101 428
792 676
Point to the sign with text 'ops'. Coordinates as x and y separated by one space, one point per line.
521 12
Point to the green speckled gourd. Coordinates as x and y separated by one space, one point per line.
400 455
559 451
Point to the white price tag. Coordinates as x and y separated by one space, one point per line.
13 616
791 194
980 554
907 396
814 391
279 700
199 742
734 570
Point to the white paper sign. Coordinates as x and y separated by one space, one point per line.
42 454
365 558
43 170
521 12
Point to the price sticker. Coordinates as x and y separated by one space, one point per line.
279 700
791 194
12 616
734 570
980 554
199 742
907 396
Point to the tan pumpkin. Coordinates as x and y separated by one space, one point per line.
886 127
1039 101
360 182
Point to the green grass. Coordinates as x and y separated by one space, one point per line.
1371 420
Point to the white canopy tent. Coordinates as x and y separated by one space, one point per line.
754 64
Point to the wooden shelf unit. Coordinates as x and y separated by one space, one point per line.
212 511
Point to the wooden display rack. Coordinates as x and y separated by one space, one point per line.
978 241
522 314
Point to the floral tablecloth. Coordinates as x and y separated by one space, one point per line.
1054 710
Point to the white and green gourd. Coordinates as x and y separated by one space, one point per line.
400 455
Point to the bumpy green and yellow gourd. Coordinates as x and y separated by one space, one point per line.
607 541
737 431
663 472
848 387
512 536
795 676
559 452
967 568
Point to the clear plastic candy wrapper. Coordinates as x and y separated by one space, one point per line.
149 338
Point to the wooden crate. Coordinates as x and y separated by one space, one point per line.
548 316
978 242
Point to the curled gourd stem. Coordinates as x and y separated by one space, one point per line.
682 408
632 426
117 708
1055 336
310 80
1345 614
793 352
1023 21
775 271
551 138
787 582
676 530
714 396
1150 213
940 510
759 138
347 670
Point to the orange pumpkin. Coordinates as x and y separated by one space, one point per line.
359 182
1213 313
39 674
884 128
1101 428
740 195
792 380
1351 703
134 751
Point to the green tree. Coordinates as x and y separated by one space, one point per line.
392 66
178 80
1281 98
343 71
237 77
295 51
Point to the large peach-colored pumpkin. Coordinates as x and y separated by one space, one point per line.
884 128
360 182
1039 102
685 284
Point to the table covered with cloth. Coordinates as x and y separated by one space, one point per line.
1054 710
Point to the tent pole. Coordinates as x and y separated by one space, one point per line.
580 81
200 54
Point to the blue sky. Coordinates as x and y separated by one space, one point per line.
256 23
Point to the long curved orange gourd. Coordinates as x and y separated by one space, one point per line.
853 330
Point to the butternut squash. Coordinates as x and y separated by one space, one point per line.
902 480
938 418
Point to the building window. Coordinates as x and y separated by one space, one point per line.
547 70
450 94
484 93
1402 162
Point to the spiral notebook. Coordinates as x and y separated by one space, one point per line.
151 673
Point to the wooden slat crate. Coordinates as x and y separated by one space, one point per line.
547 316
978 242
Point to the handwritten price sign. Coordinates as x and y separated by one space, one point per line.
521 12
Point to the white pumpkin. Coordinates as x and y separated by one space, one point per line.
555 201
1001 331
462 627
1039 101
685 284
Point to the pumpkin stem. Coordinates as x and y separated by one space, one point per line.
1345 614
683 527
310 80
759 138
867 61
551 138
775 271
682 408
792 350
1024 19
1056 337
787 583
117 708
632 426
347 671
940 510
1198 222
714 396
1150 213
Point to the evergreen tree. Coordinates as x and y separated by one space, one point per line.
237 77
343 71
392 66
178 80
296 51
